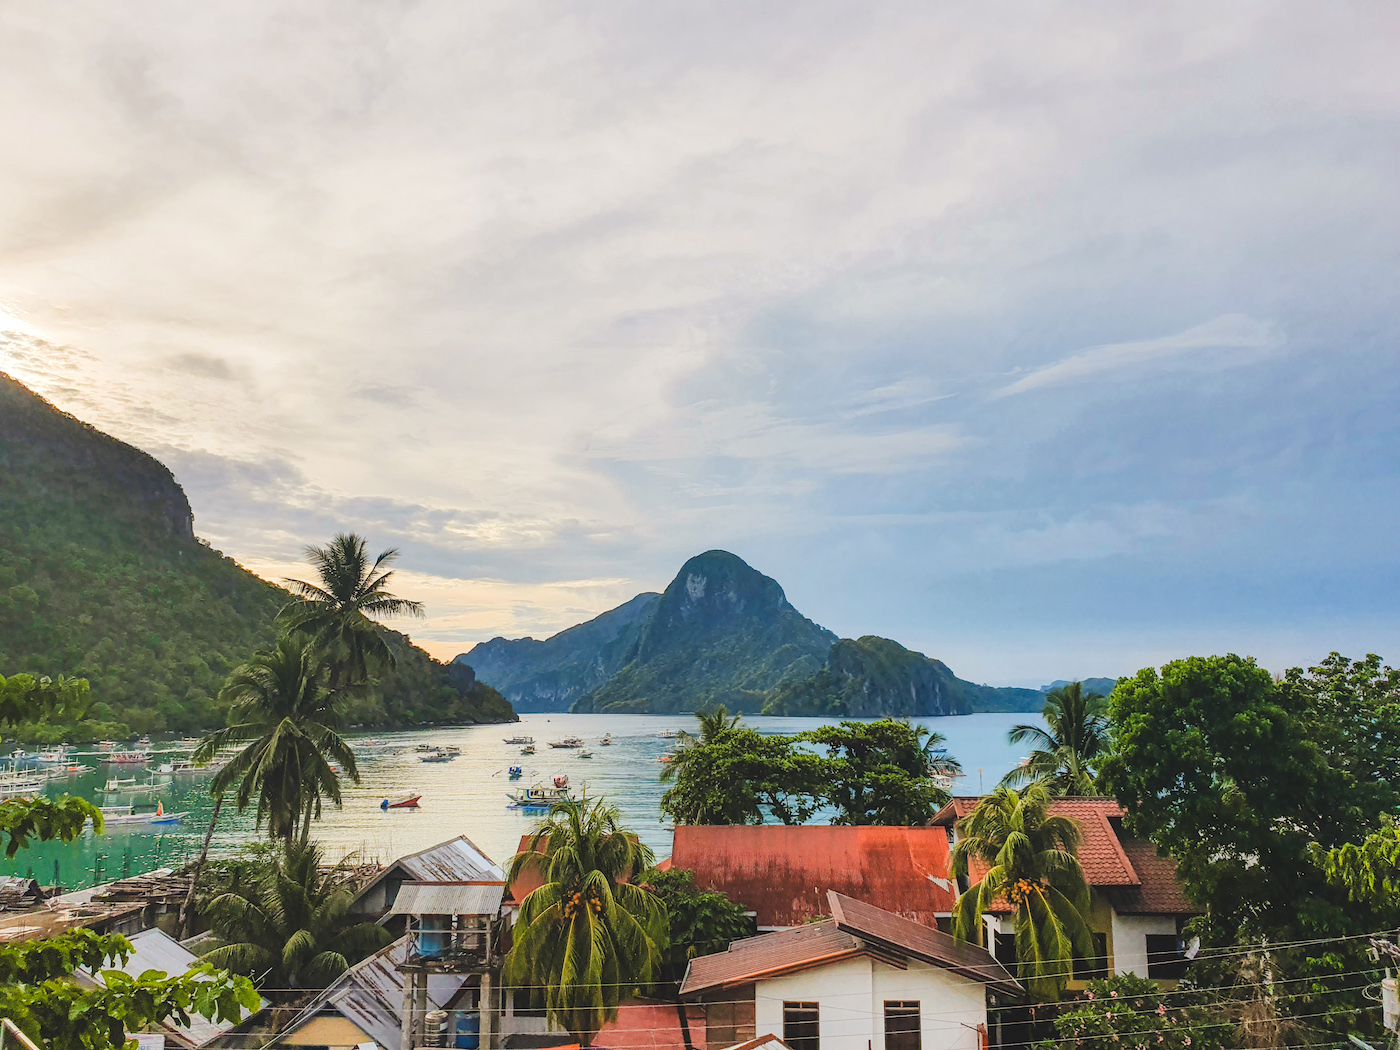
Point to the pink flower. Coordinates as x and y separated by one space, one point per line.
1088 995
1114 994
1161 1009
1186 1041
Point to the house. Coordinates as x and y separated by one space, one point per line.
1138 905
155 950
864 979
456 860
783 874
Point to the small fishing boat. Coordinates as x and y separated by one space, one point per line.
401 802
120 816
528 749
144 742
106 745
669 734
666 757
128 758
520 740
568 742
585 753
130 785
539 796
516 772
436 756
64 772
605 740
20 788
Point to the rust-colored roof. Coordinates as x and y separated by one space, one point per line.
1128 869
911 938
770 955
783 873
856 929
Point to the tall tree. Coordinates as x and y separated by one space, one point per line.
339 609
294 930
883 772
1031 860
1065 757
588 936
287 721
735 775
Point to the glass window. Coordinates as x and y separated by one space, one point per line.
1097 967
902 1024
801 1028
1165 962
525 1004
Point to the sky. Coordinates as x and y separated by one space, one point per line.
1051 340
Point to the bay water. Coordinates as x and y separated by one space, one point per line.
464 796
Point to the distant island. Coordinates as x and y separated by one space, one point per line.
724 633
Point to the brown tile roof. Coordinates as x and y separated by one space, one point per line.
1129 870
856 929
783 873
911 938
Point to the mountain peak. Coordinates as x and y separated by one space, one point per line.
717 588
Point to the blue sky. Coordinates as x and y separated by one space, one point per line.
1050 340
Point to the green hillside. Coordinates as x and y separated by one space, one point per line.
101 576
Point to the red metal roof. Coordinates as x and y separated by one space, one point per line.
783 873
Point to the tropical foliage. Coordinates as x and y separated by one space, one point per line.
1132 1013
588 936
1067 754
1031 861
286 721
337 611
881 772
699 922
293 927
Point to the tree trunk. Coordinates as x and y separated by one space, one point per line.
187 909
685 1024
306 823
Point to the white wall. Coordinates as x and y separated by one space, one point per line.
1130 940
851 997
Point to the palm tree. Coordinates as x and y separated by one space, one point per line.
587 937
293 929
1032 862
337 610
1065 756
287 721
714 723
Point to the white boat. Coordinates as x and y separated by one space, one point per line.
669 734
20 788
64 772
568 742
528 749
540 796
521 740
128 758
585 753
131 786
119 816
605 740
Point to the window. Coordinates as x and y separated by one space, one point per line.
902 1024
521 1006
801 1030
1165 962
1004 950
1097 967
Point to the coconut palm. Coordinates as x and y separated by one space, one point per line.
1031 862
286 720
714 723
338 610
293 929
1065 756
587 937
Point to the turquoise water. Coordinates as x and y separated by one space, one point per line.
465 796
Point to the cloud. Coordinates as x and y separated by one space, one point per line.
1229 332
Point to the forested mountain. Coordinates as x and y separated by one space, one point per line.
722 632
101 576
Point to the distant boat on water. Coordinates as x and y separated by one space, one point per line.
520 740
409 801
568 742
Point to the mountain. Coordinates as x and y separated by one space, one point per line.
550 675
871 677
101 576
722 632
1102 686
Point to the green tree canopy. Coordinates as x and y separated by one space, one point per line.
699 922
1066 755
26 698
293 928
588 936
287 721
338 610
882 772
1032 862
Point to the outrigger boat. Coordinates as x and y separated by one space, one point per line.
128 758
541 796
118 816
528 749
568 742
669 734
585 753
516 772
402 802
605 740
521 740
437 756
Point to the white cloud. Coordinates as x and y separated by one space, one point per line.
1230 332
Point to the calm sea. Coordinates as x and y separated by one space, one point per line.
466 796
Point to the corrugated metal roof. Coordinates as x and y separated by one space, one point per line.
154 950
370 994
448 898
783 873
769 955
911 938
456 860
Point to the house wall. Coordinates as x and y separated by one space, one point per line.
851 1003
1130 940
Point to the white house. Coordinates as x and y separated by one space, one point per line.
865 979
